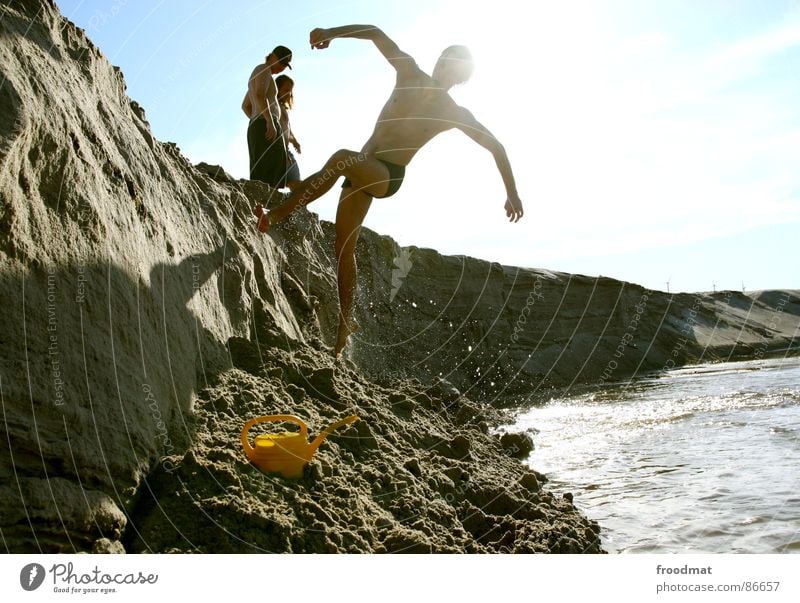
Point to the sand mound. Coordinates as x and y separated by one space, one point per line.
414 475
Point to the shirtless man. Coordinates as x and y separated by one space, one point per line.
260 104
418 109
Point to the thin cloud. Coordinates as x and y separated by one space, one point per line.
759 47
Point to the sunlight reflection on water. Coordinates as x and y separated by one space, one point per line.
703 459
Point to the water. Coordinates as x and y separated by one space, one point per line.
700 460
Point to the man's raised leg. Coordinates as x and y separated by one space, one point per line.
362 169
310 189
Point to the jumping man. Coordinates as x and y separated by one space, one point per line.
418 109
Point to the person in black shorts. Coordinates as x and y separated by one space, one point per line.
418 109
265 142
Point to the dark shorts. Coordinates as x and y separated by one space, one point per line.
293 171
396 175
267 157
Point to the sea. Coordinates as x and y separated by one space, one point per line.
702 459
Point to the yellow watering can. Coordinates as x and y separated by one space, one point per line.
288 452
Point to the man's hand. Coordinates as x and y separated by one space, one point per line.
514 209
320 38
296 146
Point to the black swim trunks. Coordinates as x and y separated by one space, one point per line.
267 157
396 175
293 171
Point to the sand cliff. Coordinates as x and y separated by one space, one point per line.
144 320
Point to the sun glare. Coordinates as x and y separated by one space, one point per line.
530 89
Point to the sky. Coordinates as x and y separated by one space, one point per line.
655 142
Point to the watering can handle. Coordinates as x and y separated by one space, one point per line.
271 419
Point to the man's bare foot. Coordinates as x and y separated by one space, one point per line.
263 223
345 331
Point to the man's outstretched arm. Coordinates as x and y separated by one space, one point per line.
321 38
477 132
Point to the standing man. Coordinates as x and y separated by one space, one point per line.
264 136
419 108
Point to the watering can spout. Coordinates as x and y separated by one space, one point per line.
328 430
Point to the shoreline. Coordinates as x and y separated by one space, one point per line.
685 440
